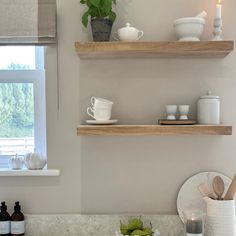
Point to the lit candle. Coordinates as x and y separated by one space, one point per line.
194 227
218 9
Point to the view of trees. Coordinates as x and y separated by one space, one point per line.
16 109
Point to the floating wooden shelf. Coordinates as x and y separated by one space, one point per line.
213 49
154 130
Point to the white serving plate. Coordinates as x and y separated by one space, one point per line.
189 197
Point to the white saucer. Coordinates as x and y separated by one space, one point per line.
101 122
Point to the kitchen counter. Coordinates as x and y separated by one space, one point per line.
99 225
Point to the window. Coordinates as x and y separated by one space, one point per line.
22 101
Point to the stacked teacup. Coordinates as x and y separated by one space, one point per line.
101 109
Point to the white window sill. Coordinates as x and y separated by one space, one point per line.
24 172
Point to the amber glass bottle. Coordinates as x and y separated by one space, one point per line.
17 221
4 221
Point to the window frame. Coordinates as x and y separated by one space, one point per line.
37 78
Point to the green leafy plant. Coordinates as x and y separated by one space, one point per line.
98 9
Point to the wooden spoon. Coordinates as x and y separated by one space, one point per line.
206 192
218 186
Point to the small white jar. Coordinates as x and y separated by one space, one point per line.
209 109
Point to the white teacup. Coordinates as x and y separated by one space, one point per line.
183 110
171 112
101 103
101 114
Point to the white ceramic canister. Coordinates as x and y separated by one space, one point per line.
220 218
209 109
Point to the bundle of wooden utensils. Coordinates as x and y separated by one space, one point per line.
218 186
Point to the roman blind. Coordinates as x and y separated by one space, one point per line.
27 22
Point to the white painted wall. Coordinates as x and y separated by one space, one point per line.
128 174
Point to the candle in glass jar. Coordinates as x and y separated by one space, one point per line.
194 227
218 9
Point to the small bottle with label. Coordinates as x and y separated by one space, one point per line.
17 221
4 221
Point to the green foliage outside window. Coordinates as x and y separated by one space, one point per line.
16 110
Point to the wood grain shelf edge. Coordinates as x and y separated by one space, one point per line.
154 49
137 130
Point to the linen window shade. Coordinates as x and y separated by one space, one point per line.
27 22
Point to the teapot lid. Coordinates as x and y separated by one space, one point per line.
128 26
209 96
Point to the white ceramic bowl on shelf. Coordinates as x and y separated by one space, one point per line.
189 28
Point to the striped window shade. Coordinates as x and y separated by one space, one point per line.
27 22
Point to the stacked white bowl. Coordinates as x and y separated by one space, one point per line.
220 219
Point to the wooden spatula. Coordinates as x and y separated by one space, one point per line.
218 187
231 191
206 192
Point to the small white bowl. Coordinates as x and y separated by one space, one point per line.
156 233
189 28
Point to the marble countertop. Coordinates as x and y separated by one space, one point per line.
99 225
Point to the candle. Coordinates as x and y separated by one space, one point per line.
194 227
218 9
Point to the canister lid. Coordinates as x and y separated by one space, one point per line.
209 96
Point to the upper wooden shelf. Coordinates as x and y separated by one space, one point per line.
201 49
154 130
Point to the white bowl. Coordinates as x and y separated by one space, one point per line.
189 28
156 233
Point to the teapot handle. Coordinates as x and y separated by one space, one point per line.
114 36
141 35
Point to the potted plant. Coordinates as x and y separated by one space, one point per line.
102 17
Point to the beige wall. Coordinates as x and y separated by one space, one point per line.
129 174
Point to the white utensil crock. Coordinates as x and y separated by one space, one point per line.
209 109
220 218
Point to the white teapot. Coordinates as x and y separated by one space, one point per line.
35 161
128 34
16 162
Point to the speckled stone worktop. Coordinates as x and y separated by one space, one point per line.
99 225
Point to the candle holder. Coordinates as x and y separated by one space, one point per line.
193 222
217 29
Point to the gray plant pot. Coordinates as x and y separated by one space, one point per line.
101 29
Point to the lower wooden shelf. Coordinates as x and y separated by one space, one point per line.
115 130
